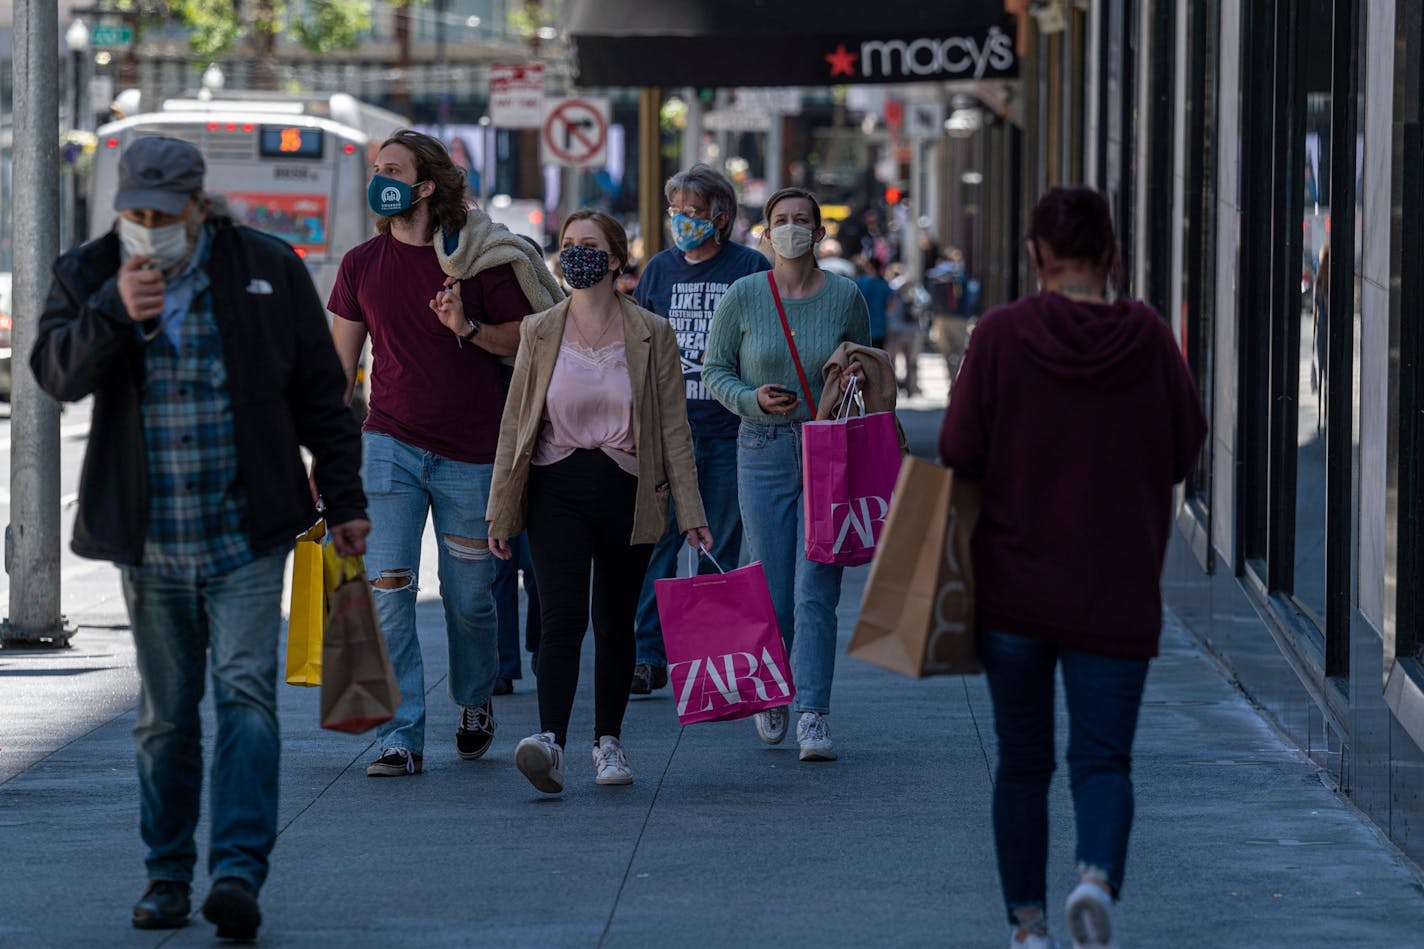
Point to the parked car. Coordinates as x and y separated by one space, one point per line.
5 324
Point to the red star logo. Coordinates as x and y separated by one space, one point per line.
842 61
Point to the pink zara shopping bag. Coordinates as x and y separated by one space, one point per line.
725 656
849 466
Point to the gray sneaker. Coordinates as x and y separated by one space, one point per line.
541 760
772 724
814 734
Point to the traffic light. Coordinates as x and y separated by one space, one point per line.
893 195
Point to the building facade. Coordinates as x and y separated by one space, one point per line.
1265 161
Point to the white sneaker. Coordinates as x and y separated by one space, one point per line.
541 760
814 734
1090 917
611 762
771 725
1031 941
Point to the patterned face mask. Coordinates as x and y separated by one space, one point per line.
689 233
583 266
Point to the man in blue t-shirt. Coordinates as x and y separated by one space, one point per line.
684 283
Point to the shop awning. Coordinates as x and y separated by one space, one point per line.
713 43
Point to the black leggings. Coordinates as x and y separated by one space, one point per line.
581 511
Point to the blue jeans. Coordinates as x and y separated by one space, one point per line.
717 482
1103 695
403 485
235 619
803 593
506 604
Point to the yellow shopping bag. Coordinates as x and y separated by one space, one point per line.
316 570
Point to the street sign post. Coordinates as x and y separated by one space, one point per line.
924 119
517 96
575 132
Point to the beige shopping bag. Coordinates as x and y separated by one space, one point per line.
917 616
358 684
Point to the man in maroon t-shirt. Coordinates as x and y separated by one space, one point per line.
429 438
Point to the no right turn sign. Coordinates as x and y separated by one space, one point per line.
575 132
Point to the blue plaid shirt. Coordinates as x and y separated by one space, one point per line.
195 504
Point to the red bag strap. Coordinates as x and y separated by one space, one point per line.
795 356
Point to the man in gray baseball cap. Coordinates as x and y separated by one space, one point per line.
206 349
159 173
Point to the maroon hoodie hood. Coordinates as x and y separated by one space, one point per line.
1101 343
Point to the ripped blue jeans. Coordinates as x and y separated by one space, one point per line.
404 485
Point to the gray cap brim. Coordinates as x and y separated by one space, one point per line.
169 202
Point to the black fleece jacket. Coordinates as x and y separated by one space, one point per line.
284 379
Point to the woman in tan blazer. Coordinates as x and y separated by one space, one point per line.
593 440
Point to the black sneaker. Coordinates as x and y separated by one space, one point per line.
503 686
232 907
660 678
394 763
164 905
642 683
475 733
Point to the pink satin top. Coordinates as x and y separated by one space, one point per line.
589 405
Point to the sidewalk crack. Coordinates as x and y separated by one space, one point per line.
633 857
978 732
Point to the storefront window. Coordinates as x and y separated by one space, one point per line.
1311 421
1199 222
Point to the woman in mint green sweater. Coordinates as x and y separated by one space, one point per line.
749 369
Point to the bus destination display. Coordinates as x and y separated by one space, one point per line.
290 142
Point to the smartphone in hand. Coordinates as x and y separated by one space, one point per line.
782 390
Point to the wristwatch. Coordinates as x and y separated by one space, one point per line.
472 332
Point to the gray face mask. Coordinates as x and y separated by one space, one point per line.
792 240
166 246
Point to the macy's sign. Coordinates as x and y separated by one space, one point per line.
954 56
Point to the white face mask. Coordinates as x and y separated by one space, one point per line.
165 246
791 241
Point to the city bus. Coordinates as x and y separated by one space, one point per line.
293 165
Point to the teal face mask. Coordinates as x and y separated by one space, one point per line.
387 196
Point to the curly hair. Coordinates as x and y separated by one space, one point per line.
711 186
432 163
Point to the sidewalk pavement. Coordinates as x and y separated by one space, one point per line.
720 842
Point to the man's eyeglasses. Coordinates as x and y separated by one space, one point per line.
700 213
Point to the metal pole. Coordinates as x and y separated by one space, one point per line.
775 151
442 64
32 538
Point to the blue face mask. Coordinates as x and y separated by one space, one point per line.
689 233
387 196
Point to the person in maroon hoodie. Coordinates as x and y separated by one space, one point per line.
1077 414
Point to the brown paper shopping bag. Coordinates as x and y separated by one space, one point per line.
917 616
358 687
